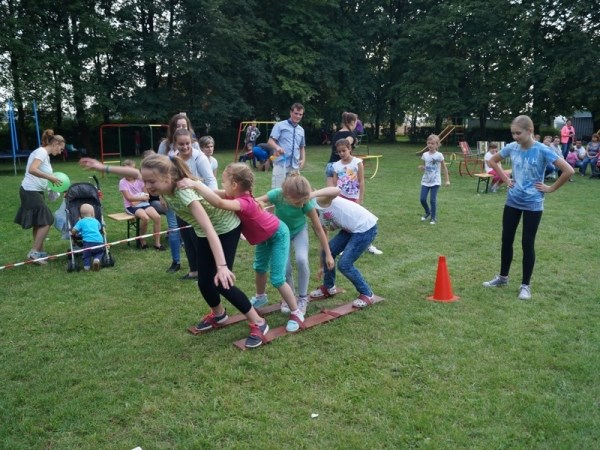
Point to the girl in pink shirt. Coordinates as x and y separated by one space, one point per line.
261 228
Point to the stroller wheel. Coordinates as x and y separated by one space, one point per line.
71 266
108 260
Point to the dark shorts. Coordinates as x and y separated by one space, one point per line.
132 209
33 211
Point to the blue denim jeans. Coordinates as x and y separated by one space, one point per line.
587 160
432 191
89 255
174 237
353 245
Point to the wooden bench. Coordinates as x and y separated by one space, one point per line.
133 223
485 179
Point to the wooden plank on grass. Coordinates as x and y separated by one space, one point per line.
261 311
324 316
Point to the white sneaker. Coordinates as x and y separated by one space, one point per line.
424 218
432 222
284 307
497 281
375 250
524 292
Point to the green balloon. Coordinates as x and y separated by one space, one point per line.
65 182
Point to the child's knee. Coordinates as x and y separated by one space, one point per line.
277 281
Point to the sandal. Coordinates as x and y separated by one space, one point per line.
323 292
363 301
143 246
160 248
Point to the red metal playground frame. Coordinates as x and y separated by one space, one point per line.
124 125
242 130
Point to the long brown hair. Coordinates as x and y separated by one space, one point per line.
175 167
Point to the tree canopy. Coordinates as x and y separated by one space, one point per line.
226 61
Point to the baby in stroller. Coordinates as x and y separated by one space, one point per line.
90 230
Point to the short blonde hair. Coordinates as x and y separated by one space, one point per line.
86 210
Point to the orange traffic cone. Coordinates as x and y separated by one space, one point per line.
443 286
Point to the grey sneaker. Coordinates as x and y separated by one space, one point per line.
524 292
32 256
211 321
302 304
259 300
498 281
285 309
257 335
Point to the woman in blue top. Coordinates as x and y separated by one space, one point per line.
525 197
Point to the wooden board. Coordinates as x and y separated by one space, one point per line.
326 315
261 311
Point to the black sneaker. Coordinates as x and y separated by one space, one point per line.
211 321
257 334
175 266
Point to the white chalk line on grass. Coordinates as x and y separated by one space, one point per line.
108 244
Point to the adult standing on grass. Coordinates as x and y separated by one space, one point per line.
201 168
287 141
33 212
525 197
567 137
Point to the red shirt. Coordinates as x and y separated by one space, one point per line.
258 225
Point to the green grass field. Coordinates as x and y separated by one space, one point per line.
103 360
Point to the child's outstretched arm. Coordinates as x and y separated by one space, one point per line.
93 164
209 195
224 276
320 232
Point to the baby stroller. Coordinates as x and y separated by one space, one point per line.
77 195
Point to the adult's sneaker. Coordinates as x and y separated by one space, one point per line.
498 281
211 321
175 266
33 255
257 335
525 292
259 300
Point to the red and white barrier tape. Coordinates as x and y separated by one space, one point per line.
108 244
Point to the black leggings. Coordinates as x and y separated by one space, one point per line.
207 270
190 244
510 222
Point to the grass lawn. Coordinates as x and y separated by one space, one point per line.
103 360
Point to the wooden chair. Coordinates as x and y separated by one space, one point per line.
470 162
